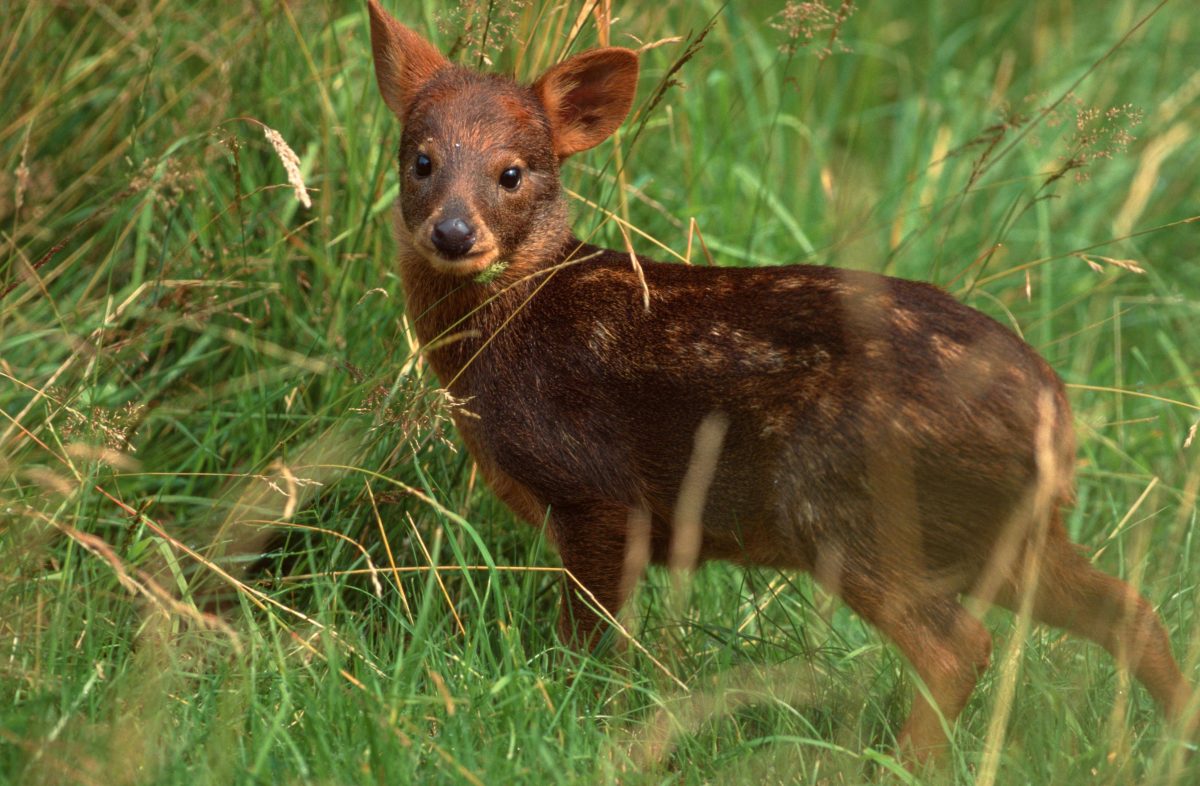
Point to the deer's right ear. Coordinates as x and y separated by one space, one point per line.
588 96
404 61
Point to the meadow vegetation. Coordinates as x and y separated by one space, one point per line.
238 540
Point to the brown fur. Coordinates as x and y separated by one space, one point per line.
899 445
587 97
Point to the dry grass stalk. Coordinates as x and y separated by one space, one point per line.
291 165
1156 152
739 687
1124 264
687 528
637 266
1041 507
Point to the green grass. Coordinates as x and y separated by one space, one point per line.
214 423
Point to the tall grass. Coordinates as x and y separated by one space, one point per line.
239 541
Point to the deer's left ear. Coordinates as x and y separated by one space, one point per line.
588 96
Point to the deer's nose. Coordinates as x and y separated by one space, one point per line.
453 237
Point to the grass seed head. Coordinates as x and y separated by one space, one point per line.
806 22
291 165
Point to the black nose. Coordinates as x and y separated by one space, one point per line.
453 237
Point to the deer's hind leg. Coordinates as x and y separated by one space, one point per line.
945 644
1070 593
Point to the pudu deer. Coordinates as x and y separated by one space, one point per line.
902 447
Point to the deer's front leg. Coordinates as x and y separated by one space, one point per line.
604 549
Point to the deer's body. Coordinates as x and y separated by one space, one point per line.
902 447
600 413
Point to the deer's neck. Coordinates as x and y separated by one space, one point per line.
455 317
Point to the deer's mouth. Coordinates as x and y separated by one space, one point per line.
476 261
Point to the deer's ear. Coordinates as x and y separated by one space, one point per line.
588 96
404 61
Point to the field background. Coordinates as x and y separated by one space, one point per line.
226 477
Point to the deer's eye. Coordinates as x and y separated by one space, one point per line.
510 178
423 167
